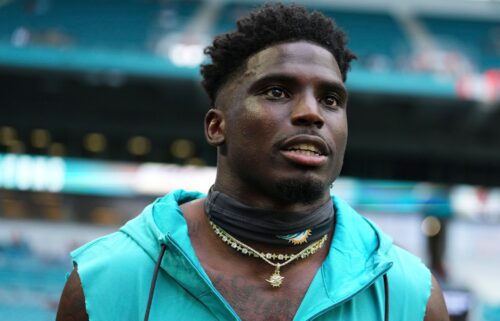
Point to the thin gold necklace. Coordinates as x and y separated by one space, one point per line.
275 279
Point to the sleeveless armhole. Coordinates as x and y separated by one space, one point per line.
410 286
103 266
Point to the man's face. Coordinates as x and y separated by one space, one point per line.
285 124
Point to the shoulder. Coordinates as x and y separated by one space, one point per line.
436 307
72 302
407 263
108 249
413 289
109 259
409 278
110 273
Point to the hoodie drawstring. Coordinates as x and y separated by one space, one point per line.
157 268
153 281
386 298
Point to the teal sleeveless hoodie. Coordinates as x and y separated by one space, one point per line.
116 272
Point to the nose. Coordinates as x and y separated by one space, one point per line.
307 112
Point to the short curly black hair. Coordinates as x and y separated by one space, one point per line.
266 26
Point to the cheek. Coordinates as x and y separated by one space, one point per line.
342 135
258 120
339 132
337 123
252 107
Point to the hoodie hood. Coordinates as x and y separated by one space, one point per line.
160 222
358 255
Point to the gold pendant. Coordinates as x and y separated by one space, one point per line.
276 279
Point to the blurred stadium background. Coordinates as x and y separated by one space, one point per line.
101 111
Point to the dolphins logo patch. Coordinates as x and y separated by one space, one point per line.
296 238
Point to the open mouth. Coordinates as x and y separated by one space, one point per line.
305 149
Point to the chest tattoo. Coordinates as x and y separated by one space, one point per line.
251 303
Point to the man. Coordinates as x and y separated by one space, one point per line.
267 242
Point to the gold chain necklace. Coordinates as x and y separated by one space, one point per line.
275 279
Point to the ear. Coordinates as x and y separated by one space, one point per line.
215 127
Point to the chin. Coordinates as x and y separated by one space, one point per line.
304 191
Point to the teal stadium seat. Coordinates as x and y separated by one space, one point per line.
95 24
479 38
372 34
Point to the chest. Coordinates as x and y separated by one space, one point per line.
253 298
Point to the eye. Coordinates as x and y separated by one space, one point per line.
331 101
276 93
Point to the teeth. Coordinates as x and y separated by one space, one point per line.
306 149
308 152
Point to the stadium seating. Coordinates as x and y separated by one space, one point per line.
480 39
123 36
109 24
372 34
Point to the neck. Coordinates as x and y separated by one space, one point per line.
265 225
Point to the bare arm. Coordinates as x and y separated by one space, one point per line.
436 307
72 303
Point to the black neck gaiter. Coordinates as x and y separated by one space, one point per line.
268 226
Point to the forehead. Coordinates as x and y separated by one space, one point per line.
301 57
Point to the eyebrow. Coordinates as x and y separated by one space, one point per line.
290 79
